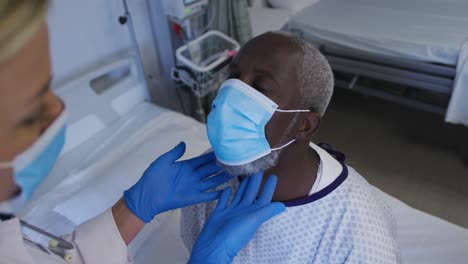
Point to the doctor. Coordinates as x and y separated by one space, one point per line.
32 133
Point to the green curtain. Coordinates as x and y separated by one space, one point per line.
232 18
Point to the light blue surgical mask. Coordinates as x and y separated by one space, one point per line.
236 123
33 165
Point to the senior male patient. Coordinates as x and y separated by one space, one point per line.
263 119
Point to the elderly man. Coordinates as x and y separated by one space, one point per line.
263 119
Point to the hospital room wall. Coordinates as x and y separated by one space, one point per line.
86 34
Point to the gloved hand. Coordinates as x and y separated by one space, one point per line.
231 227
169 184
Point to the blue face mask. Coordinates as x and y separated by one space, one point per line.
33 165
236 123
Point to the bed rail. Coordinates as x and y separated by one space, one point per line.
427 76
437 79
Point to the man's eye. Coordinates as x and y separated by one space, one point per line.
233 75
259 88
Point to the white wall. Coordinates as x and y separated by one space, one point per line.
85 34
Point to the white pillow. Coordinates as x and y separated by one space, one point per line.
293 6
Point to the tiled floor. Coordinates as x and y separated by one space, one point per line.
407 153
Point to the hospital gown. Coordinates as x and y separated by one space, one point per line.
346 222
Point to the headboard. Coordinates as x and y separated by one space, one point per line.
96 103
99 98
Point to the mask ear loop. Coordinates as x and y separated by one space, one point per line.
292 111
288 111
285 145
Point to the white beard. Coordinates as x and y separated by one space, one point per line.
249 169
264 163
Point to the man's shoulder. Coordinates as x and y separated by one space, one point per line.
356 183
358 190
366 202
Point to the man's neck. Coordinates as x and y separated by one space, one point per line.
296 170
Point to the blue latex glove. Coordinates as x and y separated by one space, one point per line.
169 184
231 227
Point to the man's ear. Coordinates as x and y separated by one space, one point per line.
309 123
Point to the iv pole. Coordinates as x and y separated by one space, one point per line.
126 19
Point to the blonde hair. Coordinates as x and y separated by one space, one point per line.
19 21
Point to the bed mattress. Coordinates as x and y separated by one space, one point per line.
426 30
424 238
148 132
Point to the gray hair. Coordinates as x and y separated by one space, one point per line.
314 73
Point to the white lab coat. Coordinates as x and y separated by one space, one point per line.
96 241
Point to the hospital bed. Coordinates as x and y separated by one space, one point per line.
419 46
112 137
